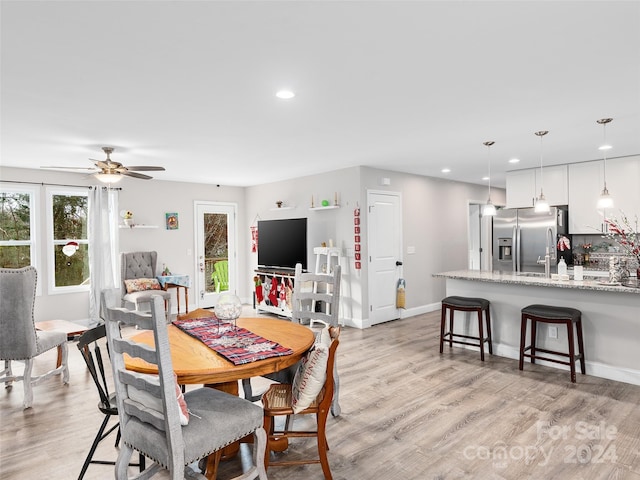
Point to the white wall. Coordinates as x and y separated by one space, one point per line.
434 215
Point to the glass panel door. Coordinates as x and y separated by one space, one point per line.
216 252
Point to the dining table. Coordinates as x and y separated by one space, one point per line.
196 363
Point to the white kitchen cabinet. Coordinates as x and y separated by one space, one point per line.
586 181
623 182
585 185
523 186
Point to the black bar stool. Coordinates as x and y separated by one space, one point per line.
466 304
549 314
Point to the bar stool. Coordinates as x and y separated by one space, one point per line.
466 304
550 314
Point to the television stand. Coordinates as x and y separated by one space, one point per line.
284 288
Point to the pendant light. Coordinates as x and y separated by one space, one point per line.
542 206
605 200
489 210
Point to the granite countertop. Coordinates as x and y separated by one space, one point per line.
524 279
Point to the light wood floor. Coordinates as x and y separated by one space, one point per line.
407 412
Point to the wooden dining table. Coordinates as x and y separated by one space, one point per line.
196 363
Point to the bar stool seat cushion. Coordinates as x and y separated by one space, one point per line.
551 312
466 302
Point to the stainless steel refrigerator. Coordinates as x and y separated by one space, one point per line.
522 236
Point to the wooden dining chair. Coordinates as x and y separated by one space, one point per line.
310 393
174 430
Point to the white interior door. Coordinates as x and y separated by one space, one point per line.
216 234
384 235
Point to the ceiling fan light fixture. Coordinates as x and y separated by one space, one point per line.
108 177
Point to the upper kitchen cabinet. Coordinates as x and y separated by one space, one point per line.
586 181
623 182
585 185
523 186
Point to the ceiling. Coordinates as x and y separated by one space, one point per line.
408 86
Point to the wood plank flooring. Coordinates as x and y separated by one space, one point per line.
407 412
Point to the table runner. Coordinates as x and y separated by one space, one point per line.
236 344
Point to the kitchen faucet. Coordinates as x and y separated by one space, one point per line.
548 256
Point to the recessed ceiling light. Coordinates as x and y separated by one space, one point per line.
604 147
445 170
485 178
285 94
514 160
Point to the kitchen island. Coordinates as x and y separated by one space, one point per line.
610 317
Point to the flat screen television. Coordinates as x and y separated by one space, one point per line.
282 243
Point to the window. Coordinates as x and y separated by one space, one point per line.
68 253
18 215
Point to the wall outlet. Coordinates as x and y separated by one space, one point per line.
553 332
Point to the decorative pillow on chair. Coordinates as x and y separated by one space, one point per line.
154 403
142 284
311 373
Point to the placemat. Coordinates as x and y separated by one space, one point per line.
236 344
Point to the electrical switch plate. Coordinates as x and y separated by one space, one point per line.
553 332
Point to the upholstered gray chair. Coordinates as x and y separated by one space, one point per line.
19 339
141 265
150 411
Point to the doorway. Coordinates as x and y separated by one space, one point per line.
479 242
384 233
216 259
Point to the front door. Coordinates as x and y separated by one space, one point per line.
385 254
216 265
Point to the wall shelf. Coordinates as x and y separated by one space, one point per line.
329 207
137 226
275 209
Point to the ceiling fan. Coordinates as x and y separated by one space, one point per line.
108 171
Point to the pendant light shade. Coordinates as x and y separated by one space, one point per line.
541 206
605 201
489 210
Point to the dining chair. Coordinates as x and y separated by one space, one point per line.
19 338
316 298
89 346
173 430
310 393
139 282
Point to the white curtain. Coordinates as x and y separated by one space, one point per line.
103 246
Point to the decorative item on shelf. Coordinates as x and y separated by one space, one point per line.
127 217
312 203
586 248
627 236
279 203
325 203
605 200
335 199
489 210
541 206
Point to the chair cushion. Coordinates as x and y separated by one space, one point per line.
552 312
466 302
217 420
311 373
155 403
142 284
46 340
145 296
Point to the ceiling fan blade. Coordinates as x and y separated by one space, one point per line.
75 169
144 168
137 175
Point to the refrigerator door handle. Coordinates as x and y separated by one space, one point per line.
515 242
